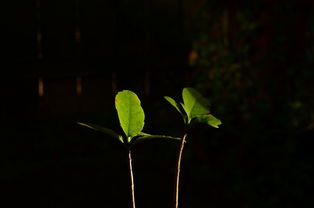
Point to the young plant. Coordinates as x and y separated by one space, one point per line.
131 117
195 108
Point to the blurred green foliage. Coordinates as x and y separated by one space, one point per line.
240 57
255 62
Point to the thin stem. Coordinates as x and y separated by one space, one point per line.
177 176
131 179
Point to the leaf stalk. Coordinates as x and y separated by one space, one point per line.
177 172
131 178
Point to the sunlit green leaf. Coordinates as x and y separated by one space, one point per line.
144 136
103 130
130 113
209 119
177 106
174 104
194 103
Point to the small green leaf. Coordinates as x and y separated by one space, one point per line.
194 103
130 113
103 130
144 136
209 119
177 106
174 104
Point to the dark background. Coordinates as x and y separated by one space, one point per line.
63 61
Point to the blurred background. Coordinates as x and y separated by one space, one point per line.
64 61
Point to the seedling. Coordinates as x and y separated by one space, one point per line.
195 108
131 117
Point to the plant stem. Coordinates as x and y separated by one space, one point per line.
177 176
131 179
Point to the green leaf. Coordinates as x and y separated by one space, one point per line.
177 106
194 103
103 130
174 104
130 113
209 119
144 136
